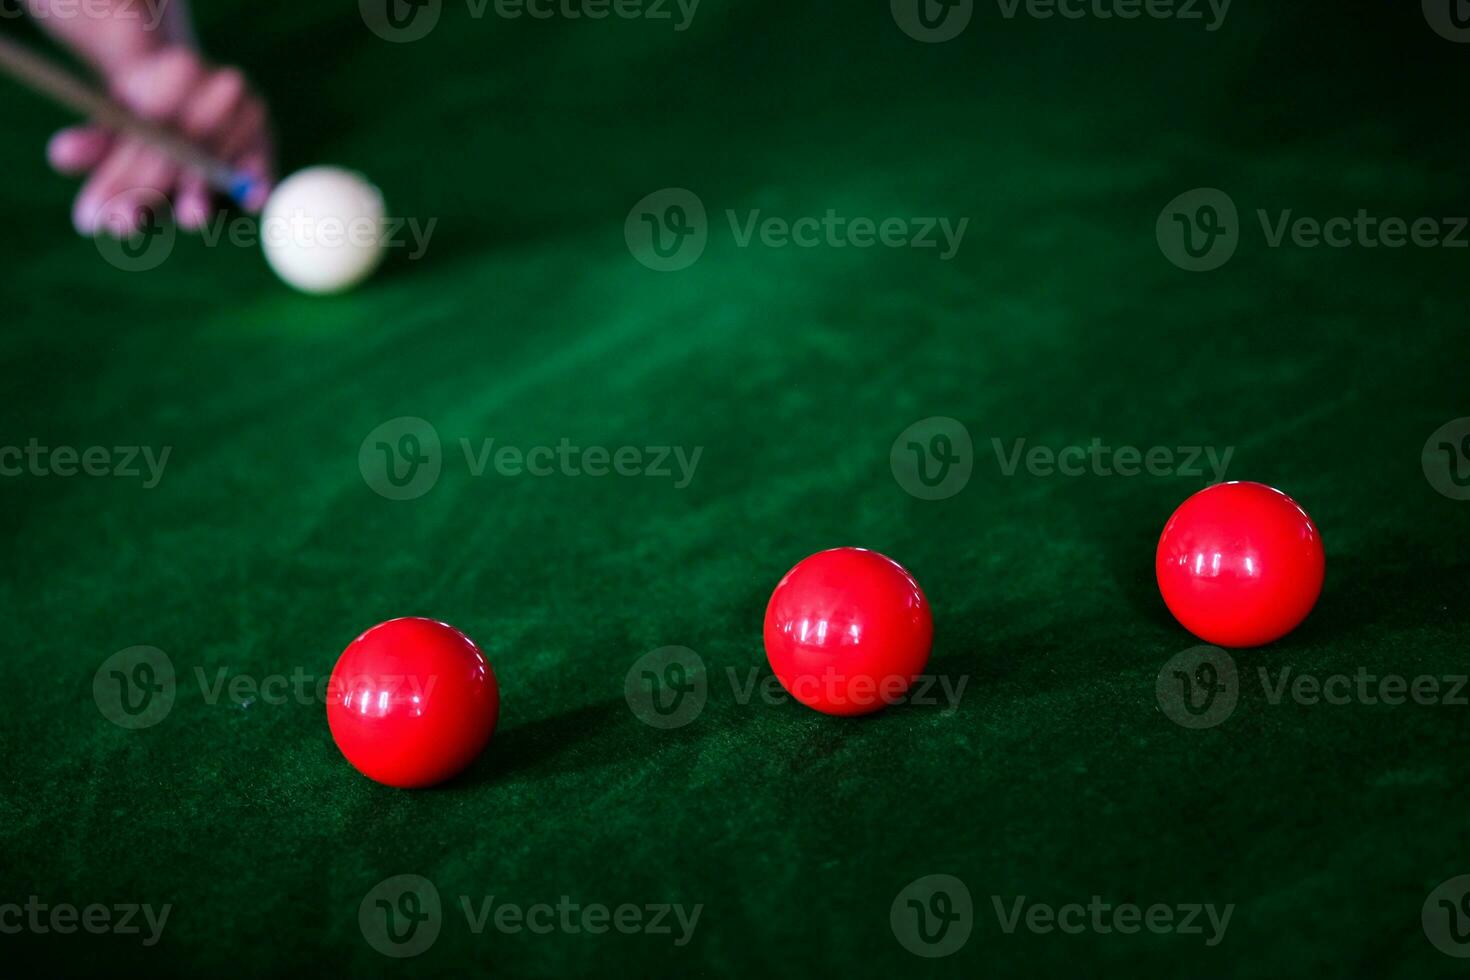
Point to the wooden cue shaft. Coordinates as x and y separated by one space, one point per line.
35 72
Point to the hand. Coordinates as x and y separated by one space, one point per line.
173 86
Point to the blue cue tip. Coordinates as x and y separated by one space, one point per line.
245 189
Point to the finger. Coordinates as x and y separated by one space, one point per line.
245 131
259 165
77 149
208 112
104 183
133 175
153 177
157 87
193 208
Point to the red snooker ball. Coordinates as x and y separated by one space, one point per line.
412 702
1240 564
848 631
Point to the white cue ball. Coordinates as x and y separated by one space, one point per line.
323 229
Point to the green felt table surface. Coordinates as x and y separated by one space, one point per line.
262 549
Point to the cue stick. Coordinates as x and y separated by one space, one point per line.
48 79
